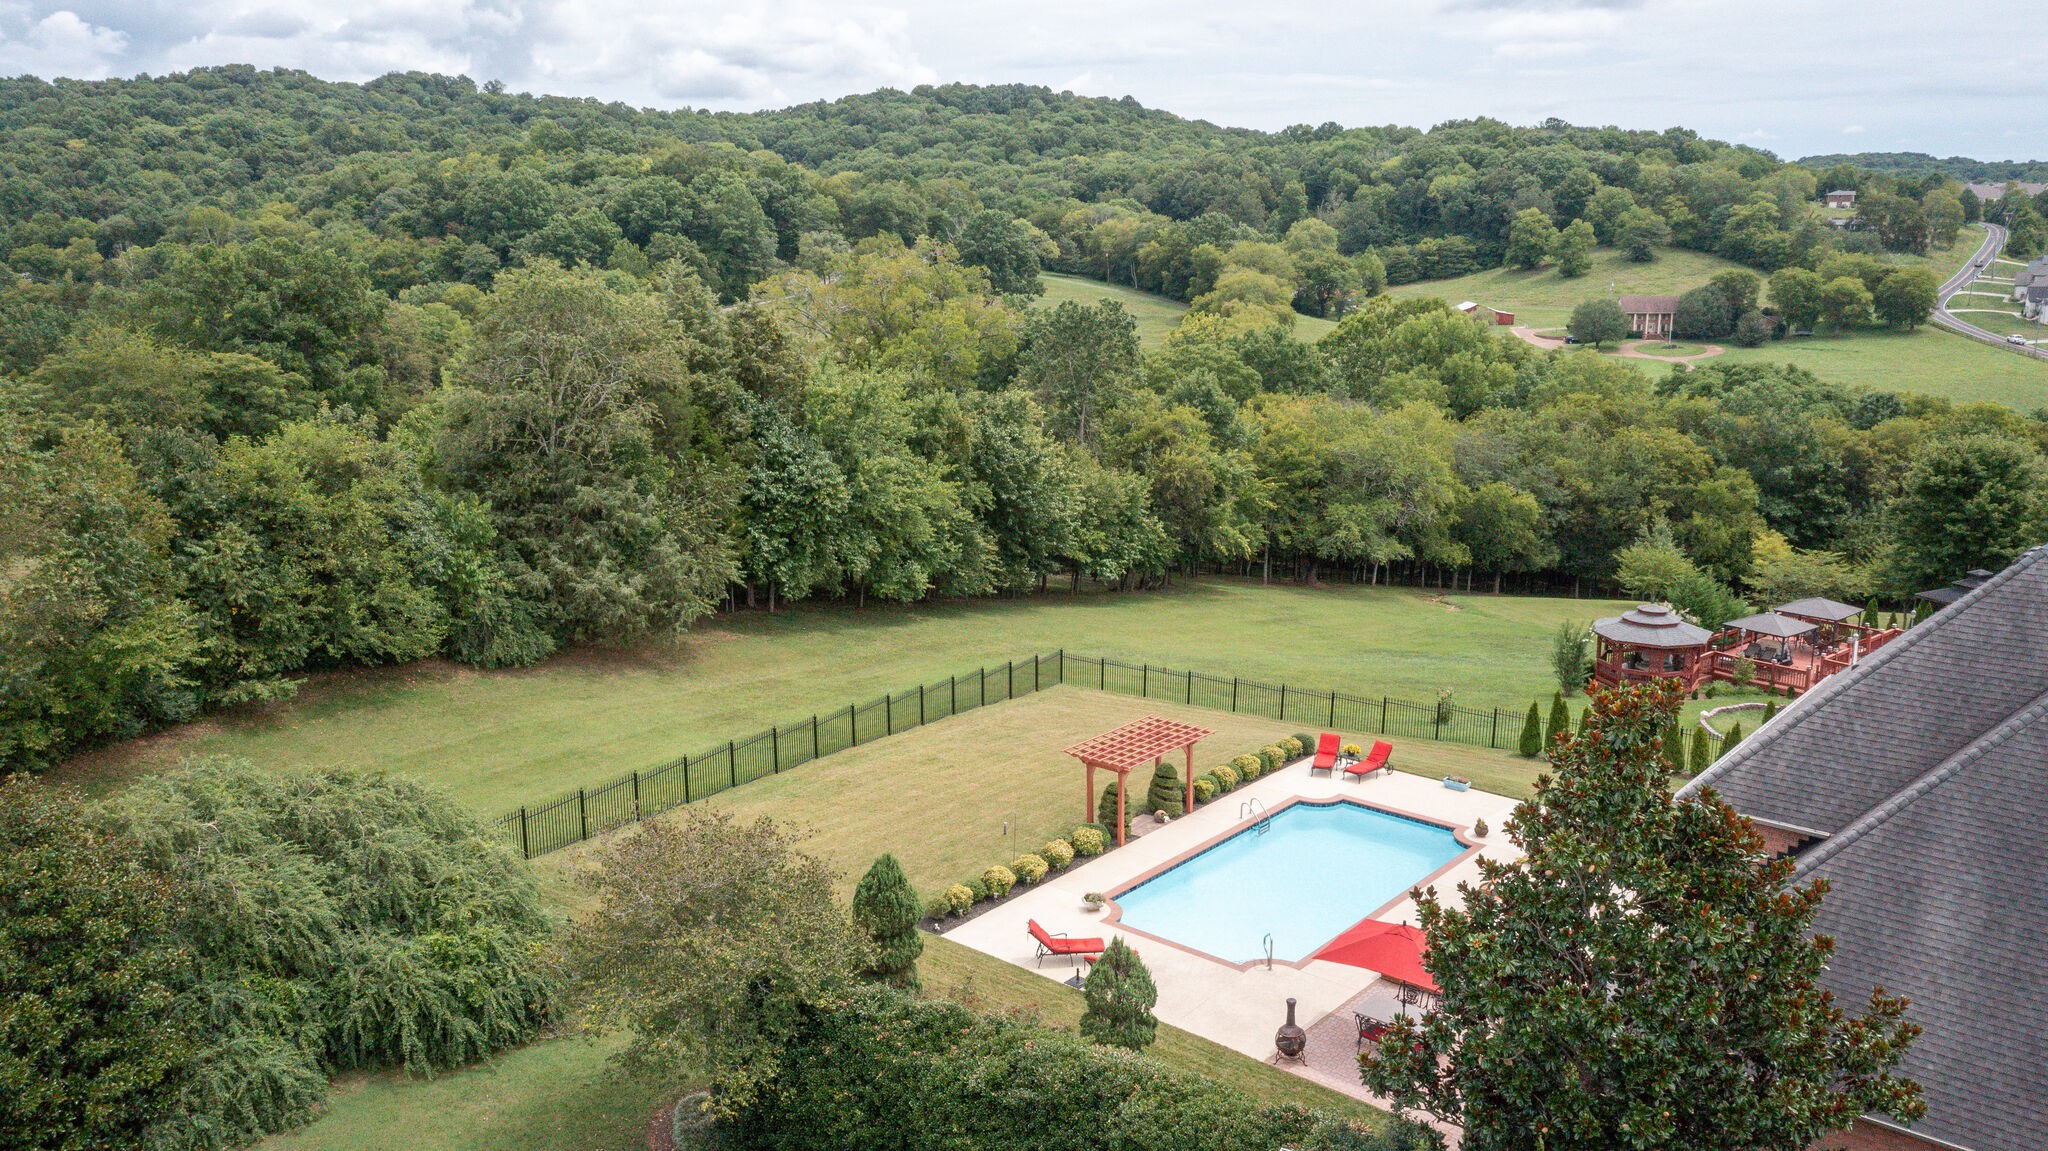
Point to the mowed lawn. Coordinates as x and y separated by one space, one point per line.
499 739
1541 298
939 798
1156 315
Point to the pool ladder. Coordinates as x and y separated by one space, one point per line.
1251 807
1269 951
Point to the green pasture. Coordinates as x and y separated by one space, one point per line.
1156 315
1541 298
496 739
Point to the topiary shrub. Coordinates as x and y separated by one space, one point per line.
959 897
1058 852
1088 840
1770 710
999 880
1205 788
1228 776
1029 868
1105 808
1166 793
1701 754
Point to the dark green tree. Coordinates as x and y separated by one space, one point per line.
1733 737
1598 322
1078 359
1967 502
1675 1002
1573 249
92 1052
1530 239
1904 299
1532 732
1560 722
1703 314
1007 248
885 908
1119 996
1702 755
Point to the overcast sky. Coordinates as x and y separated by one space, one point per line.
1793 76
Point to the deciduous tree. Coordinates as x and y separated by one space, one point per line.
1645 975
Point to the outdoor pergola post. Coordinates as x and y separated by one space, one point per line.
1131 746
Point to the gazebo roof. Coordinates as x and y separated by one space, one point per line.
1771 623
1820 608
1138 742
1651 625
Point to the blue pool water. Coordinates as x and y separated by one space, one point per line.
1317 870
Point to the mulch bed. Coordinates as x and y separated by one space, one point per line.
661 1130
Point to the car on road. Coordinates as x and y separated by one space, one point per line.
2016 339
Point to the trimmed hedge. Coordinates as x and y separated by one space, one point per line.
1166 793
1088 840
882 1070
1029 868
998 881
1058 852
1249 767
1205 788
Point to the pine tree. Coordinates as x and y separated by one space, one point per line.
1166 793
1673 748
1770 709
1532 732
885 909
1701 754
1734 737
1560 720
1120 995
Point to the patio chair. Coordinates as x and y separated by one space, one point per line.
1375 760
1369 1029
1057 943
1326 754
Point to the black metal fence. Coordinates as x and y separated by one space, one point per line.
578 815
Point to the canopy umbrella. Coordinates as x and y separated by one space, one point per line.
1395 950
1772 624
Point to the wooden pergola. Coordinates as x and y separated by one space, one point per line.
1130 746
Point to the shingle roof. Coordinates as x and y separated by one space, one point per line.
1651 625
1639 304
1771 623
1820 607
1927 767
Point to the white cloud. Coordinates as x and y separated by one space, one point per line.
1637 63
62 44
1853 130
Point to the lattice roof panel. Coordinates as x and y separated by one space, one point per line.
1138 742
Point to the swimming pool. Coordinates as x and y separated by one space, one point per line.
1316 870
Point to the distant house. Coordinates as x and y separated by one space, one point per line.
1989 192
1650 316
2030 288
1840 198
1916 784
1494 315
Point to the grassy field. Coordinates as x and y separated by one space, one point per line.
1929 361
498 739
939 798
1544 299
1156 315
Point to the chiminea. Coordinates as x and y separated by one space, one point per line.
1291 1040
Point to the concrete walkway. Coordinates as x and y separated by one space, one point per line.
1239 1008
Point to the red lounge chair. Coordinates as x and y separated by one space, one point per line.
1050 944
1377 758
1326 754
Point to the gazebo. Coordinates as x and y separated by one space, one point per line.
1820 610
1130 746
1944 596
1651 642
1773 625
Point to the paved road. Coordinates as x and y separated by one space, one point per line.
1994 241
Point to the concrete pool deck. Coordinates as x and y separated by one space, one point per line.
1238 1008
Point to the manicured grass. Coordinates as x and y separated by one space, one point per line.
979 789
2005 322
499 739
1541 298
1654 348
989 984
1928 360
557 1095
1156 315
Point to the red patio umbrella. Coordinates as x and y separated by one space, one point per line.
1395 950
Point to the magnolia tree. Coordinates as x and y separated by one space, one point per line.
1645 976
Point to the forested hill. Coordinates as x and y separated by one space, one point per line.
435 157
1921 164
